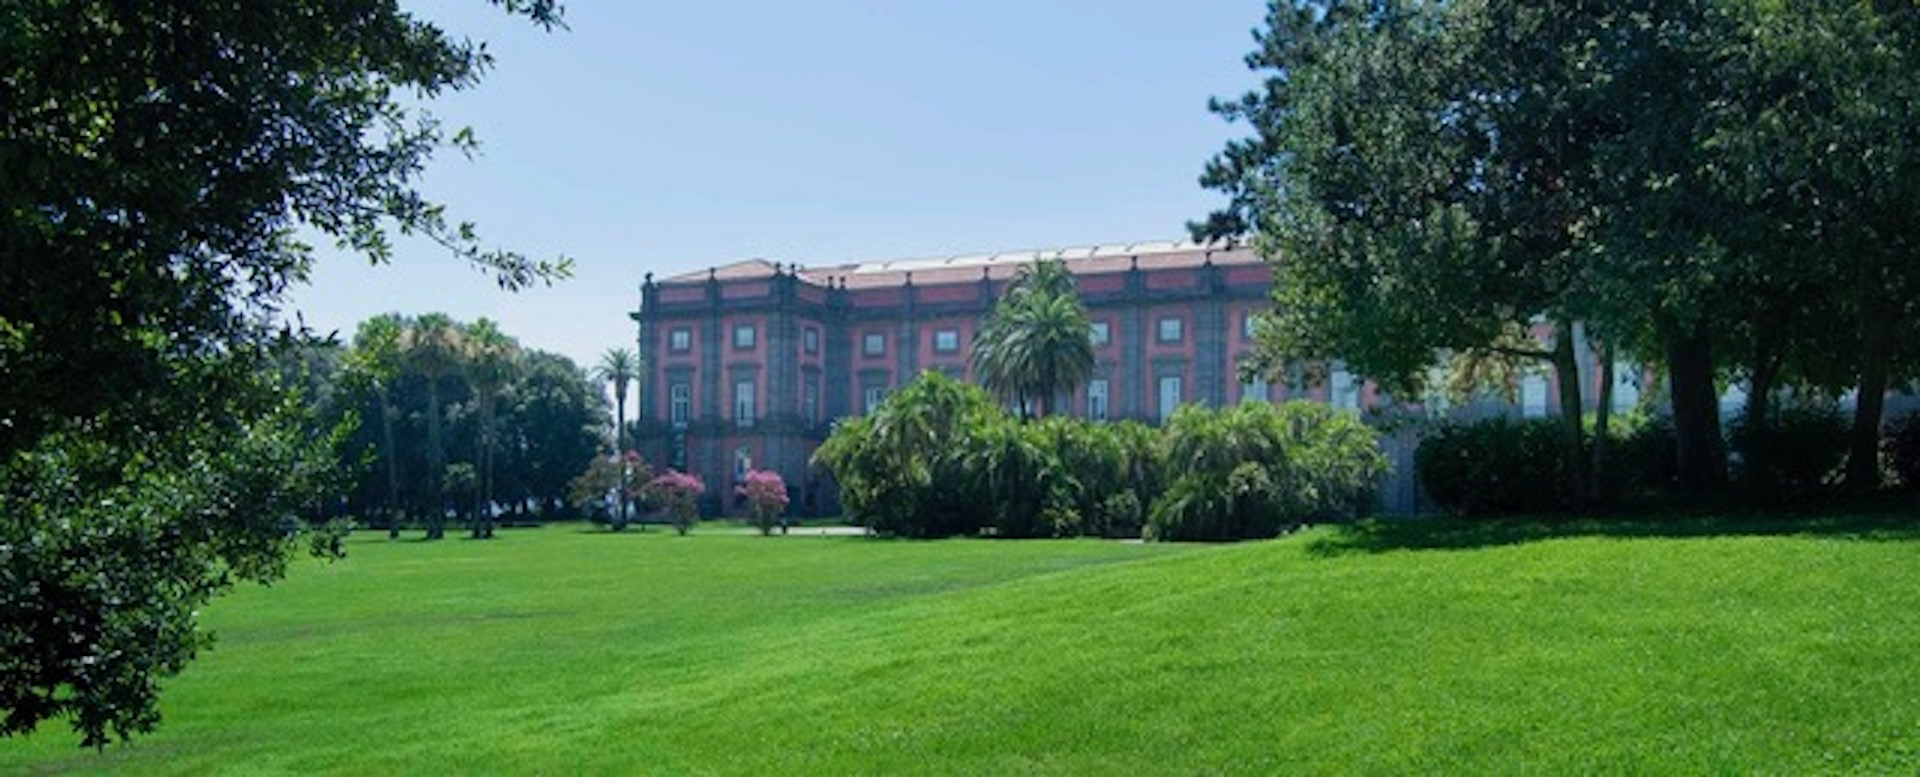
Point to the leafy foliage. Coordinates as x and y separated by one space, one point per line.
159 162
766 496
1902 447
1036 343
620 477
678 494
1256 470
1499 466
1797 451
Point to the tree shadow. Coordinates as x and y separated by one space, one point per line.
1880 519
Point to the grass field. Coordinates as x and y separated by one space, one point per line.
1401 650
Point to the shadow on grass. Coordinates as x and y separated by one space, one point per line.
1885 519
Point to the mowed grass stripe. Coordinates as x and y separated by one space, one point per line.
561 651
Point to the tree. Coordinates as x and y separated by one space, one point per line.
435 347
1413 180
493 361
619 367
766 496
157 161
677 493
1037 342
374 362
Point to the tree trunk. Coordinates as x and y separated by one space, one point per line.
1863 446
392 455
1602 422
436 465
620 449
1566 368
1696 408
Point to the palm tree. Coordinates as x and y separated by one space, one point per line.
619 367
375 359
434 346
491 362
1037 343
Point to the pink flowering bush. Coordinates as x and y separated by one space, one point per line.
766 496
678 493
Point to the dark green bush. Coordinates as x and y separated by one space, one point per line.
1495 467
1797 452
1902 449
1642 459
1256 470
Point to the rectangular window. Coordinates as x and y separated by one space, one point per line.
946 340
1172 329
680 404
743 401
1097 399
1248 323
1345 390
875 396
1169 396
810 339
810 401
743 336
874 344
680 339
1102 332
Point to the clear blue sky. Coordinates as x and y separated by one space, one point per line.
672 136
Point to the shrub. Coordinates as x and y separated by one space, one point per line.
1029 489
1642 457
766 496
1797 451
603 480
905 469
1902 448
1256 470
1494 467
678 493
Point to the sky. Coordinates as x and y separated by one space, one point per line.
667 137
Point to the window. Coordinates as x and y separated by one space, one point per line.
1169 395
680 339
1097 399
1171 329
1533 396
1345 391
874 344
875 396
946 340
1101 333
810 340
810 401
680 404
1254 390
743 400
743 336
1249 321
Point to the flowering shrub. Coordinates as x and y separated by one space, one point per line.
766 496
610 479
678 493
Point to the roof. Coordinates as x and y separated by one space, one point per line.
958 268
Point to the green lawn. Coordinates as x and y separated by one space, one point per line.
1396 650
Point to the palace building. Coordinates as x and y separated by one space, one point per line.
747 365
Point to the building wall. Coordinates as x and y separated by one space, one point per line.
831 370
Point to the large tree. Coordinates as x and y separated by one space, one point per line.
1414 180
157 161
